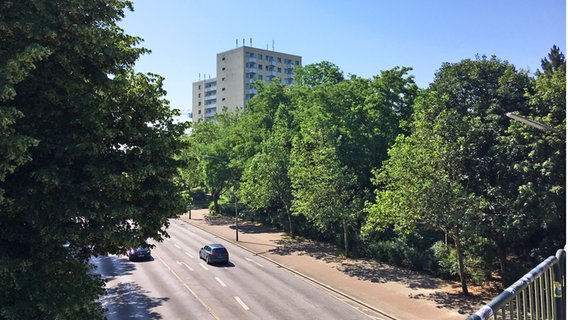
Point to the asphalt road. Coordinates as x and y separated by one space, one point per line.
176 284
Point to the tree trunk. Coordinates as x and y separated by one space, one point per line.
215 201
290 222
502 257
346 237
461 266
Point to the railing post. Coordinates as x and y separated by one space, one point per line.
560 284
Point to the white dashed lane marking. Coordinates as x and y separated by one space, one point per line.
242 303
258 264
220 282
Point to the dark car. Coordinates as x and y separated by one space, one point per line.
139 253
214 253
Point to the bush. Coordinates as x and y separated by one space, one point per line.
447 259
398 252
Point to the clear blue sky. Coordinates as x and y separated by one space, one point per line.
361 37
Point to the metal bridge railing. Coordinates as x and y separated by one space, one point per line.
538 295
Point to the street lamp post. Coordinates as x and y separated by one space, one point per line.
234 191
532 123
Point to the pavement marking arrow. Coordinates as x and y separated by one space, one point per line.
185 264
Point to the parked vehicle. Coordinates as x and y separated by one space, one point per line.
214 253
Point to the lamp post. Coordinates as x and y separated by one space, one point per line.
532 123
234 191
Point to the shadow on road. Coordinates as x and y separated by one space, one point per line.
128 298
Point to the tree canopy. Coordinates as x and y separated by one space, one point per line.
89 154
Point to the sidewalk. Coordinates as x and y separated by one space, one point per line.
402 294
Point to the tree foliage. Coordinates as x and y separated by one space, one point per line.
89 148
378 164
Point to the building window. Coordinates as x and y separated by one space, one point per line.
279 69
297 62
199 95
259 77
224 68
199 87
223 99
260 66
223 89
259 56
279 59
223 59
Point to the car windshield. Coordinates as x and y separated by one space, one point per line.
219 251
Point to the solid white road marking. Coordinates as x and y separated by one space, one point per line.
189 255
242 303
176 245
258 264
203 266
220 282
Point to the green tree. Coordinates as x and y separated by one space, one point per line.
209 153
460 121
421 183
91 163
554 61
317 73
344 130
265 181
539 160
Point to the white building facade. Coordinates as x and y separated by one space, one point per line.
237 70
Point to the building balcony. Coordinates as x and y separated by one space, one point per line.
273 62
272 73
211 106
252 91
211 88
210 97
252 59
252 70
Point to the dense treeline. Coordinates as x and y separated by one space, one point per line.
434 179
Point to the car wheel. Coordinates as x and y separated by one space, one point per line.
208 260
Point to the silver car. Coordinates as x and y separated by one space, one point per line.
214 253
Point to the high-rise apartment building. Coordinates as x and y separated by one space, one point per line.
237 70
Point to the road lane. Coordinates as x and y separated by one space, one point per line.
179 285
